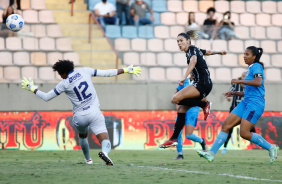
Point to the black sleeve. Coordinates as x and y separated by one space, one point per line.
203 51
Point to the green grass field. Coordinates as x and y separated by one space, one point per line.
138 167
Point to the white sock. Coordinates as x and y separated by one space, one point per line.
85 148
106 146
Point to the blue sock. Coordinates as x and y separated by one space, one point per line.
85 148
106 146
194 138
219 141
259 140
180 144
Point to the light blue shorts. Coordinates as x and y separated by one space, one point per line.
249 111
192 116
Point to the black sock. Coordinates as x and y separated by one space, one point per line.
192 102
228 137
179 124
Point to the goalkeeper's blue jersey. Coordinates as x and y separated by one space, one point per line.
253 93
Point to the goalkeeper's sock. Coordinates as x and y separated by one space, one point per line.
85 148
180 122
106 146
192 102
194 138
180 144
259 140
220 139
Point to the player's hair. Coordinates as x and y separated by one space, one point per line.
257 52
190 34
211 9
63 66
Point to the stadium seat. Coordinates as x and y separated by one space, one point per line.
223 74
273 74
182 18
143 77
222 6
92 3
235 18
30 16
6 58
26 28
1 74
147 1
38 4
253 6
171 45
46 73
258 32
212 73
38 58
175 30
157 17
168 18
139 44
146 32
72 56
131 58
237 72
265 58
13 43
276 19
237 6
164 59
173 74
174 6
242 61
155 45
54 30
269 7
53 57
12 73
213 60
219 45
157 74
279 46
180 59
21 58
113 31
148 59
273 32
38 30
29 71
204 5
242 31
279 6
263 19
122 44
253 42
129 31
236 46
190 6
159 6
30 43
200 17
204 44
2 44
269 46
230 60
161 31
63 44
276 60
47 44
1 18
25 4
46 16
247 19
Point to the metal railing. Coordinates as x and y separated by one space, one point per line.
71 7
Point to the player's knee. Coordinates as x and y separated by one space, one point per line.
83 136
225 127
175 99
244 134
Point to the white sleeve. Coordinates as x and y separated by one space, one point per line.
105 73
46 96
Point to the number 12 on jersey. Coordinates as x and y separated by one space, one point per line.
82 94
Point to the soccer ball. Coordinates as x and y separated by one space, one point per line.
15 22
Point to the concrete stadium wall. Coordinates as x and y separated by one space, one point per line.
147 96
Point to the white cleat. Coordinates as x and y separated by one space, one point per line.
273 153
89 161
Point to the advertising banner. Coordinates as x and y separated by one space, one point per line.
53 130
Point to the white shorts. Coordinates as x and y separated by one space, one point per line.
94 121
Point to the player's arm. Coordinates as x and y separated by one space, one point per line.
113 72
233 93
214 52
256 82
191 66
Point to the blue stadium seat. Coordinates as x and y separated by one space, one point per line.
149 2
113 31
157 18
146 32
159 6
92 3
129 31
112 1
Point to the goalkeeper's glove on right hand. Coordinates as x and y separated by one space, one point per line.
28 84
133 70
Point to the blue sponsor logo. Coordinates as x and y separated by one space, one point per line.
85 108
76 76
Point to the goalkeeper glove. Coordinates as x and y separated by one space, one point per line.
133 70
28 84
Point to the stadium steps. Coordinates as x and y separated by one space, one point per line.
65 6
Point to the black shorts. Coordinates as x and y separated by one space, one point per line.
204 87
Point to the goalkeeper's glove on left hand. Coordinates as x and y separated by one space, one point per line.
133 70
28 84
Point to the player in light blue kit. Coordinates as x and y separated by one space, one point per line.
249 110
78 86
191 120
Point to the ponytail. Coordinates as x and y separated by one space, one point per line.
193 34
257 52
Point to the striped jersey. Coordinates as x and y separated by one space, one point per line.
236 99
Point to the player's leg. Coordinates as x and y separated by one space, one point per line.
85 147
179 147
227 140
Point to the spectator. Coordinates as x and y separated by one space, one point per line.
17 4
210 24
5 32
105 13
193 25
123 7
227 27
138 12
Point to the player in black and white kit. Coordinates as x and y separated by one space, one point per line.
78 86
192 95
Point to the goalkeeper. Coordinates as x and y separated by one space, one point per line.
78 86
